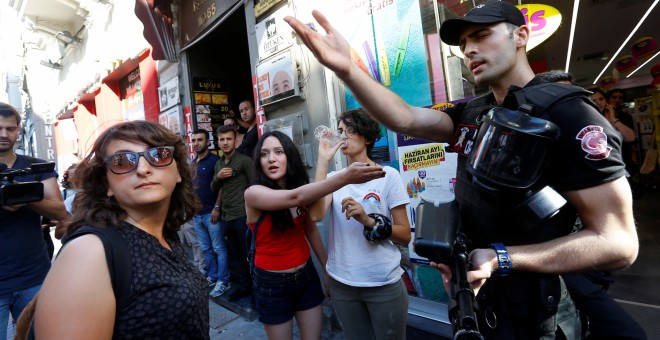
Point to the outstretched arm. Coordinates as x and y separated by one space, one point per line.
385 106
263 198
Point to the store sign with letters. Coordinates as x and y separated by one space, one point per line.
169 94
542 20
197 15
274 34
262 6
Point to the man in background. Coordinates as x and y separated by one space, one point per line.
208 227
248 116
24 259
233 176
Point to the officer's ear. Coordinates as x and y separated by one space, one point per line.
521 36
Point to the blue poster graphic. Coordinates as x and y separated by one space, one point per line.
389 46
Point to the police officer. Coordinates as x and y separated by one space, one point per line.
515 264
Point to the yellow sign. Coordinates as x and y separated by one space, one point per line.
424 157
542 20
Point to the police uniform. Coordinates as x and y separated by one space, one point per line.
586 154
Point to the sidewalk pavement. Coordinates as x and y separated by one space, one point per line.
227 324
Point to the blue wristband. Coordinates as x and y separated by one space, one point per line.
503 260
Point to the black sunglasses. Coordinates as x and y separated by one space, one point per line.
124 162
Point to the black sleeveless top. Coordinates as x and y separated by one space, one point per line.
168 297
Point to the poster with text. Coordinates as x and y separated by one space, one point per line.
274 34
426 170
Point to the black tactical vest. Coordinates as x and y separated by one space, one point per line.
487 219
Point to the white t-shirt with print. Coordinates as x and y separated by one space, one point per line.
352 259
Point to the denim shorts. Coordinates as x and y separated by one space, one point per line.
279 296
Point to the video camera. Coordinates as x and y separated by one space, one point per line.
13 192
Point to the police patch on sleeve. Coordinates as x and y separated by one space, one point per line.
463 140
594 142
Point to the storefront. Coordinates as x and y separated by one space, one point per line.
214 70
127 92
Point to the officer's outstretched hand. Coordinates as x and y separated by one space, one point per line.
330 49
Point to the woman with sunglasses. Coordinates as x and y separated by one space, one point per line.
285 282
135 180
366 223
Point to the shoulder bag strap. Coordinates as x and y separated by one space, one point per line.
119 262
253 244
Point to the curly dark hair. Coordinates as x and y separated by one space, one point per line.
296 176
363 124
92 206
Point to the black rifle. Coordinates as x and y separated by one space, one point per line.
442 242
462 305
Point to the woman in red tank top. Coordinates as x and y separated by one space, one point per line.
284 279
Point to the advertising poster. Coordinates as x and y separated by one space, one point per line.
273 34
393 54
173 119
426 170
169 94
275 79
162 119
132 103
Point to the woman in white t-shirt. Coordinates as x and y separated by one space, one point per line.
366 220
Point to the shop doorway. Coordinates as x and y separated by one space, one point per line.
220 73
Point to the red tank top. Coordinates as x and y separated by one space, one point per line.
279 251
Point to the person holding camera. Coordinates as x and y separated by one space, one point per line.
24 260
233 175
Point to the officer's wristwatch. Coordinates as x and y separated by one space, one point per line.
503 260
216 208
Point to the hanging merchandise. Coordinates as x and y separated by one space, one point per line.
651 159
